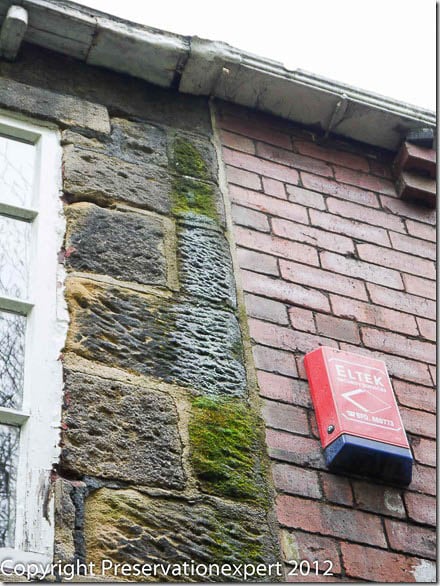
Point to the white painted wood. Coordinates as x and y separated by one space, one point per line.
45 336
12 32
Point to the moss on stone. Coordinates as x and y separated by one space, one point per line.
224 437
188 160
191 195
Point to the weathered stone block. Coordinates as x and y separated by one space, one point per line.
205 265
123 432
123 245
93 176
190 344
65 109
194 156
127 526
64 545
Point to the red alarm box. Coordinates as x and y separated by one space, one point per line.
358 418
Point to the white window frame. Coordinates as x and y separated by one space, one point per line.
46 328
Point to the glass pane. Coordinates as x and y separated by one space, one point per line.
14 257
17 165
9 440
12 333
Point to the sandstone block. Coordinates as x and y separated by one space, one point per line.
123 432
191 344
123 245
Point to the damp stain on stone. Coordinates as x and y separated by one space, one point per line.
188 160
224 438
193 195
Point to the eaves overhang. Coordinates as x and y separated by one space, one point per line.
210 68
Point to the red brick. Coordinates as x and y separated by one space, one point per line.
237 142
402 301
269 205
433 373
420 286
249 218
274 188
320 279
281 388
408 209
243 178
302 319
340 329
305 197
374 315
421 508
375 565
319 238
319 578
427 329
415 395
285 417
296 545
300 366
418 188
285 338
365 181
259 131
412 157
254 261
381 169
337 489
364 214
313 425
397 344
425 451
296 449
413 245
378 499
424 479
291 159
294 480
399 367
423 231
332 155
274 360
330 187
330 520
260 166
276 246
266 309
419 422
396 260
360 270
283 291
411 539
358 230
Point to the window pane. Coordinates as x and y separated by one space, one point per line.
14 257
12 333
17 164
9 439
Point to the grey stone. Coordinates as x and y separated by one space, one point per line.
123 245
123 95
128 526
191 344
92 176
119 431
48 105
64 545
205 265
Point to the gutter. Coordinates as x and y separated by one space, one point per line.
209 68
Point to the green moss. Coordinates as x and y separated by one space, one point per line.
188 160
224 437
191 195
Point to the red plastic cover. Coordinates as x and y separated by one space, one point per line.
353 394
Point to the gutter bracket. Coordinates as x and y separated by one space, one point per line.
338 114
12 32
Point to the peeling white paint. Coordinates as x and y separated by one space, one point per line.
425 571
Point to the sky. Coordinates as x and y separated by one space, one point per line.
384 46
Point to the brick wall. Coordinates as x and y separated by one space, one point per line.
328 255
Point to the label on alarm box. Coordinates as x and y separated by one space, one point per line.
353 394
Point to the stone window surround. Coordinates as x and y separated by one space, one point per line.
47 318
